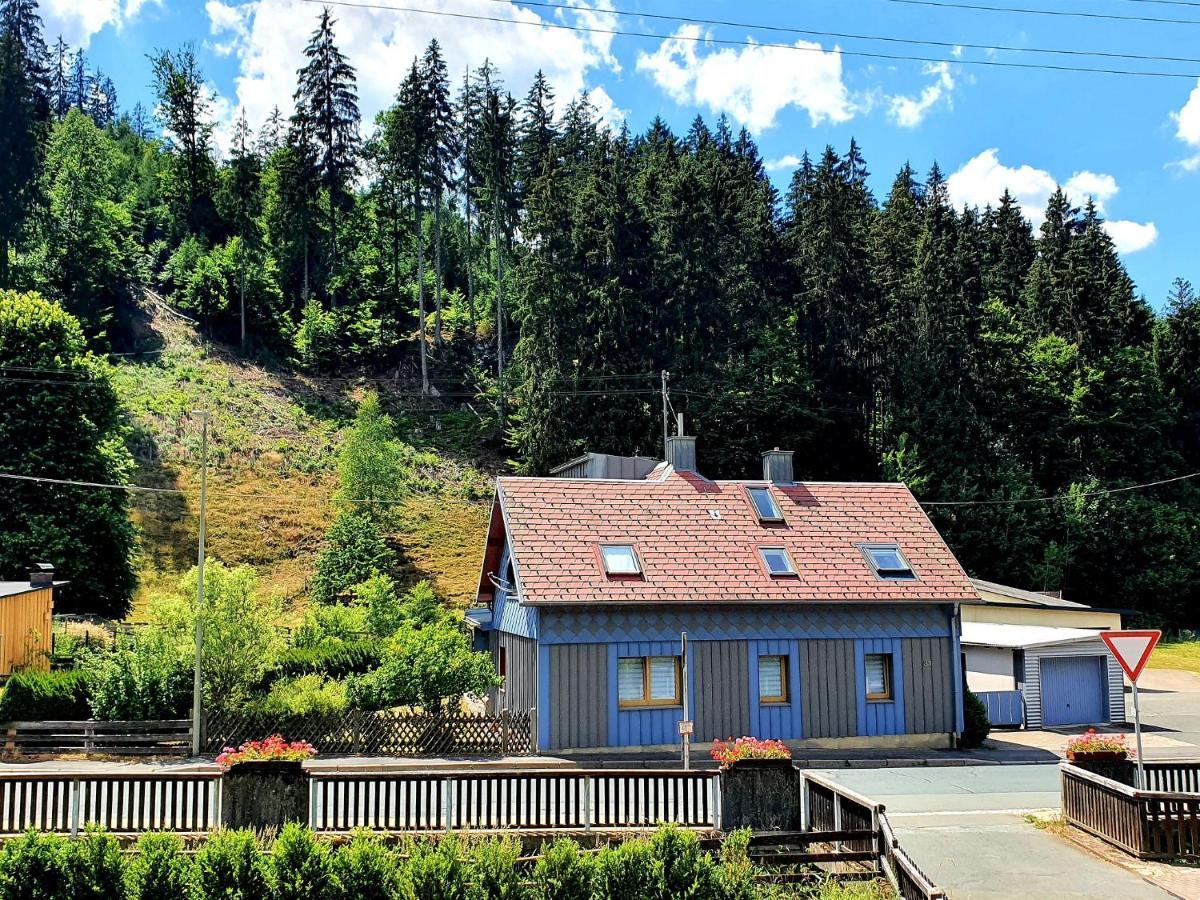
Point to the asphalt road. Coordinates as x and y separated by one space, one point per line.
965 828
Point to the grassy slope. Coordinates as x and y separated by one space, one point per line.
1183 655
273 444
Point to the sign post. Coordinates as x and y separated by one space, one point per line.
685 726
1132 650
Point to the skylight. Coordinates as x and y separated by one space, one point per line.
620 559
888 562
777 561
764 504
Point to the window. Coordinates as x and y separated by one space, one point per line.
777 561
648 681
764 504
620 559
888 562
772 679
879 676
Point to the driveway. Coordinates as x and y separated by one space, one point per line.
965 828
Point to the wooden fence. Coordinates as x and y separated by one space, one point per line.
522 799
859 831
1160 823
507 733
154 738
123 804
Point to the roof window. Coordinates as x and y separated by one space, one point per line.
888 562
777 560
764 504
620 559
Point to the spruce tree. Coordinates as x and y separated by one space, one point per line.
18 148
327 112
20 18
537 132
441 154
60 86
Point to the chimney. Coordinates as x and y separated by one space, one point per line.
777 466
41 575
681 453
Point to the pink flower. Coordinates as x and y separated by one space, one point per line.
269 748
727 753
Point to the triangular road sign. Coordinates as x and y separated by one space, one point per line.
1131 648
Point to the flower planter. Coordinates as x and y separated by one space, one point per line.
1096 755
760 764
762 794
264 793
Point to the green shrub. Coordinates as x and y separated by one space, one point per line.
146 677
976 726
563 873
354 551
625 871
435 871
365 869
302 696
683 869
228 867
331 660
95 867
495 870
300 867
34 867
737 872
31 696
160 870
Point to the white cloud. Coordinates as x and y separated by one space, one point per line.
752 84
1130 237
1187 129
983 178
78 21
606 108
268 37
784 163
909 112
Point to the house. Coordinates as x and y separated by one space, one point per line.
822 614
26 615
1037 660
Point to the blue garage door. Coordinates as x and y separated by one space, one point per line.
1073 690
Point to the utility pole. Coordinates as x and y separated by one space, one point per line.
197 675
666 417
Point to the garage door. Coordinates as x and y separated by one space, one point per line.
1073 690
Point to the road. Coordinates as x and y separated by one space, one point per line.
965 828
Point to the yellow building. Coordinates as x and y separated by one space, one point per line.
26 613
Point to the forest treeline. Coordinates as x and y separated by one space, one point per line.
523 252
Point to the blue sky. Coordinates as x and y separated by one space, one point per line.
1133 143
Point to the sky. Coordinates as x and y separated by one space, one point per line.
799 74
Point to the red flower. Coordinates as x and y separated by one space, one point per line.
270 748
727 753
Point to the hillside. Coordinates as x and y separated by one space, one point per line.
273 444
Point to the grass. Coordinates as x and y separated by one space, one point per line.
273 444
1182 655
1049 821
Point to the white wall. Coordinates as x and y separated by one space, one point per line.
990 669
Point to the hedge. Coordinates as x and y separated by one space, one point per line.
236 865
31 696
331 660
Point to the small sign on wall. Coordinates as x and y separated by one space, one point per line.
686 727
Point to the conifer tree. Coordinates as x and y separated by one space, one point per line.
537 132
18 147
60 87
21 19
184 109
442 152
327 112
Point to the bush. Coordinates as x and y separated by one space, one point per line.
625 871
684 870
976 726
495 870
332 660
34 867
563 873
302 696
435 871
364 869
228 867
95 867
737 872
159 870
143 678
30 696
354 551
300 867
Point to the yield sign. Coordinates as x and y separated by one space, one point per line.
1131 648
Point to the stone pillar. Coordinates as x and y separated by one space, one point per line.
263 794
762 794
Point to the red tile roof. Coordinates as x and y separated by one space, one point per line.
698 541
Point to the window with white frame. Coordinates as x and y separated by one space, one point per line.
772 679
620 559
777 560
648 681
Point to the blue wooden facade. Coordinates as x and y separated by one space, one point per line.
573 672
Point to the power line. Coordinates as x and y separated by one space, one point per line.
1057 497
90 484
619 32
1075 14
810 32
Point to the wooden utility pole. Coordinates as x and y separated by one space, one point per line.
197 678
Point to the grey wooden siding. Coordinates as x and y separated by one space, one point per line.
520 687
721 689
928 685
1032 688
828 688
578 695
